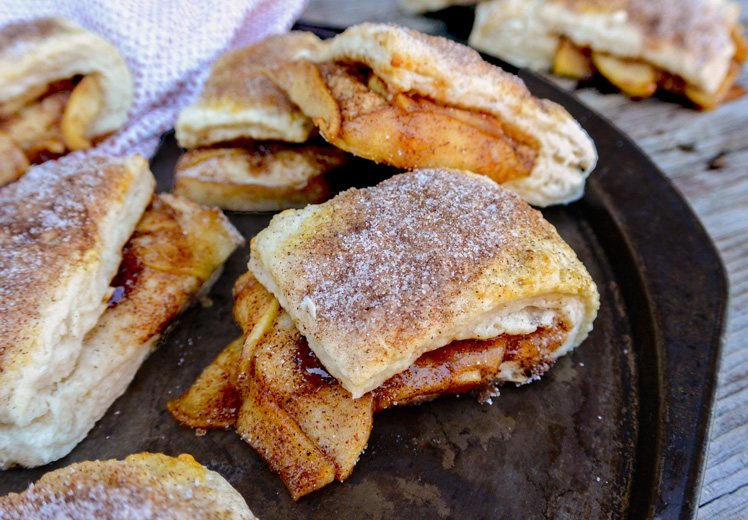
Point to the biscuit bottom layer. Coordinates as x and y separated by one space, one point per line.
248 175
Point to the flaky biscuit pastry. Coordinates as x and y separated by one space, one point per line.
257 176
62 229
69 353
693 47
239 99
397 96
377 277
145 485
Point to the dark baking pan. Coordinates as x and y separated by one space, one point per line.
616 430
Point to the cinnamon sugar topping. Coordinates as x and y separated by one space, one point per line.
395 256
48 221
144 486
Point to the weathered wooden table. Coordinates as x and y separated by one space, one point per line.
706 157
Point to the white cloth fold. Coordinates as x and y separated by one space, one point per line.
169 46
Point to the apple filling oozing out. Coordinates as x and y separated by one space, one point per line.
357 111
638 79
307 428
40 126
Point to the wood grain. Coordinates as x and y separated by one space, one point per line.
705 154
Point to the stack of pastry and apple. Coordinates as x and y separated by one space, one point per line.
694 49
441 280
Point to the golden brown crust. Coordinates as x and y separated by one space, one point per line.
240 100
50 222
257 176
145 485
376 277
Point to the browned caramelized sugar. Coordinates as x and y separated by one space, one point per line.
307 364
454 369
126 279
160 243
534 351
434 374
462 366
62 85
440 372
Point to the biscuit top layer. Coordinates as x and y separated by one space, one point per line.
146 485
49 221
396 253
241 75
700 26
410 60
